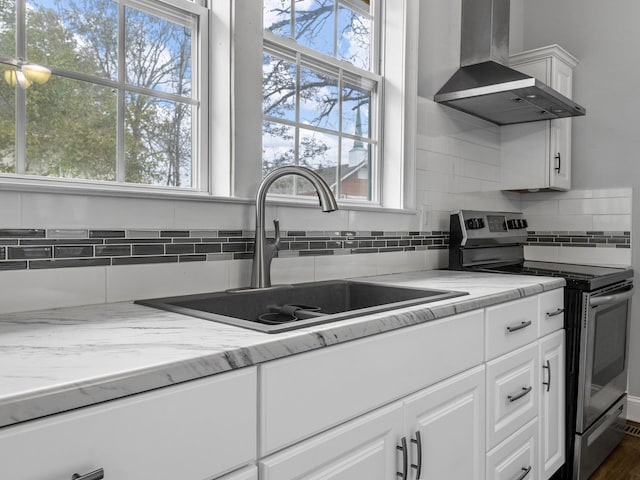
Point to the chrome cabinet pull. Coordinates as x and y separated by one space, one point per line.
95 475
519 327
418 442
547 367
525 472
405 459
518 396
559 159
557 312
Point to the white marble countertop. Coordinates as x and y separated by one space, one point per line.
57 360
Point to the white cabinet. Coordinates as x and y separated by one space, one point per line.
196 430
537 155
447 423
512 393
552 397
516 458
305 394
437 433
248 473
363 448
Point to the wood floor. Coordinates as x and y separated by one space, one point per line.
623 463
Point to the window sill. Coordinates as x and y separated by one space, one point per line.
85 188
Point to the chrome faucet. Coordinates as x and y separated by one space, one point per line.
265 248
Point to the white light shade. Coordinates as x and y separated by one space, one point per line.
36 73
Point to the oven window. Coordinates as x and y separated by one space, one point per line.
609 346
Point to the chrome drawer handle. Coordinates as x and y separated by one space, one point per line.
525 472
547 367
405 459
518 396
557 312
519 327
418 442
95 475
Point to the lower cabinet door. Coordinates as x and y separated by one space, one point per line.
552 404
249 473
365 448
446 422
516 457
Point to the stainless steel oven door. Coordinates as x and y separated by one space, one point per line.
603 351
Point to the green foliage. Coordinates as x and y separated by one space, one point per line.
71 125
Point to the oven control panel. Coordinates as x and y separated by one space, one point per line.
473 227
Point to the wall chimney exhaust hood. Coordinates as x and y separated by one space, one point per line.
484 86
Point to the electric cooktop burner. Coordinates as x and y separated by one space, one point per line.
576 275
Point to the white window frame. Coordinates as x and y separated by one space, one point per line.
201 120
399 36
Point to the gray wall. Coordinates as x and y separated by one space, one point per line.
605 37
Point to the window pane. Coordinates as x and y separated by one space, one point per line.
277 17
279 87
71 130
158 53
355 171
318 99
356 110
278 150
158 141
319 152
7 122
79 35
354 38
8 28
314 24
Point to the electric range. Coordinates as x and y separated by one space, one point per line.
596 320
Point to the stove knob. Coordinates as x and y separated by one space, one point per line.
474 223
524 223
512 224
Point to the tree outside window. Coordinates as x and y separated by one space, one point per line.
321 94
122 103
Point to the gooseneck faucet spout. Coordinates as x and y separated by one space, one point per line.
265 249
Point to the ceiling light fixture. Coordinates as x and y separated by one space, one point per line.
26 74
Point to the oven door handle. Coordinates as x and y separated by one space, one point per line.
611 299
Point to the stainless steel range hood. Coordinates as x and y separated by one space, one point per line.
484 86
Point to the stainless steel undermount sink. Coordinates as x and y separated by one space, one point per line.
290 307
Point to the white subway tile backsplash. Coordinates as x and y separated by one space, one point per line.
544 207
360 220
595 256
612 222
292 270
581 223
135 282
613 192
590 206
54 288
541 254
396 262
346 266
10 204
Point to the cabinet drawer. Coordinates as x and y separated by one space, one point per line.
196 430
305 394
511 325
515 459
512 393
551 308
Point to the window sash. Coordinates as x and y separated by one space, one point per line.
302 56
182 12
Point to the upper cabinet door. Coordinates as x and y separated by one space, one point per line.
537 155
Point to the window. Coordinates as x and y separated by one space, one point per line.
124 101
321 94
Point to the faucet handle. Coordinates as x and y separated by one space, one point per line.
276 240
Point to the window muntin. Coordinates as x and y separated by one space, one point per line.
320 97
123 103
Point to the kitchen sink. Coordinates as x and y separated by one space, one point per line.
290 307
